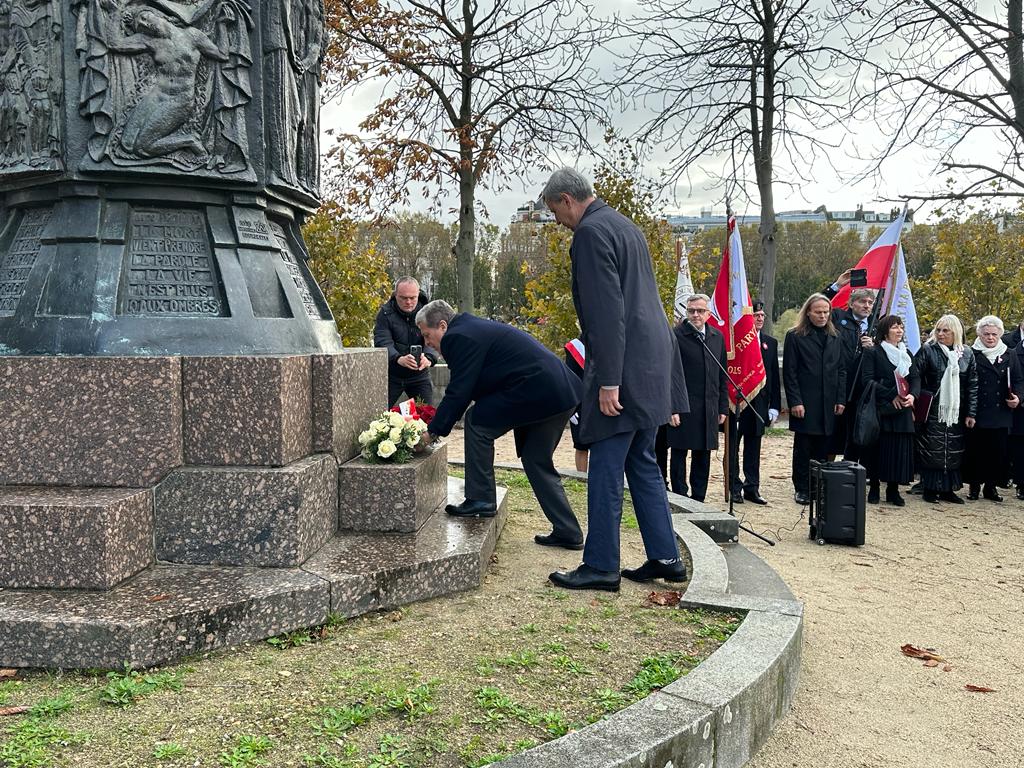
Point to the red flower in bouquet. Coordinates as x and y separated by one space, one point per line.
426 413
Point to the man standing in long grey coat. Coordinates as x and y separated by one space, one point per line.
627 384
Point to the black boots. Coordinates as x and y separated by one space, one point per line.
873 496
892 495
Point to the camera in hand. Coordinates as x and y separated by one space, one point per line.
858 278
416 350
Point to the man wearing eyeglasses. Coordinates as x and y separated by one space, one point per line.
702 350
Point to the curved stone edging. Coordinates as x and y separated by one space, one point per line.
718 715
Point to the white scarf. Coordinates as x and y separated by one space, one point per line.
898 357
990 352
949 388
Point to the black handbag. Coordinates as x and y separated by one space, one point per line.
865 426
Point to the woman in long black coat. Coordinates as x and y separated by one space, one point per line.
949 374
1017 427
891 458
815 382
985 462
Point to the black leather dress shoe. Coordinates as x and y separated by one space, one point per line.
802 498
736 498
470 508
972 493
550 540
654 569
755 498
951 497
991 494
586 577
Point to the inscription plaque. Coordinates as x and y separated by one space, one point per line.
170 269
252 228
308 302
18 263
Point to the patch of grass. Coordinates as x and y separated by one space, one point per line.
570 665
510 479
601 645
125 688
629 521
391 753
7 688
248 751
658 671
168 751
336 720
610 700
32 741
413 703
776 432
529 629
708 625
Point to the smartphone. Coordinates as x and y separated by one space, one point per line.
416 350
858 278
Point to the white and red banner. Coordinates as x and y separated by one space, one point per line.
733 315
878 261
899 301
684 283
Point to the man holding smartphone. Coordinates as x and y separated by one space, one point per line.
855 336
395 330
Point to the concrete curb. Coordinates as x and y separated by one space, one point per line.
720 714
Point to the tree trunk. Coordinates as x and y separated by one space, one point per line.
465 244
767 229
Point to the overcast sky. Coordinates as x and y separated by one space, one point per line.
830 182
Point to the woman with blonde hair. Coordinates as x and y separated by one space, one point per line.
985 461
815 380
949 375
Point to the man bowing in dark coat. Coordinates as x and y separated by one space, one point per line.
627 384
515 384
700 346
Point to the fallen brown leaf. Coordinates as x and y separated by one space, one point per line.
7 673
931 663
157 598
919 653
4 711
948 668
664 598
979 689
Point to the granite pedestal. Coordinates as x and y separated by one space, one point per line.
248 515
392 497
73 538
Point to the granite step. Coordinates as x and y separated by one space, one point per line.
171 610
378 571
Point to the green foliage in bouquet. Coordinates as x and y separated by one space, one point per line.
391 439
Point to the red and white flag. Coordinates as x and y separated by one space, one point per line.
733 315
878 261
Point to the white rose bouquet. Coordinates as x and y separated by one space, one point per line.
391 437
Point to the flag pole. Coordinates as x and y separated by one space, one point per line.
726 464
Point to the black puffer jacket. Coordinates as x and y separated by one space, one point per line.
396 331
938 446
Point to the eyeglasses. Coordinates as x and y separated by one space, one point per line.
697 311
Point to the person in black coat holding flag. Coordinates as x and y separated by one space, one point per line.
515 383
891 458
708 392
749 428
814 374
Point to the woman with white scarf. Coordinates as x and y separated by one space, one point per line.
891 459
985 462
949 375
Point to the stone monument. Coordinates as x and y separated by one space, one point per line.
177 413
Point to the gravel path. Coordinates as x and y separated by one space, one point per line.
945 577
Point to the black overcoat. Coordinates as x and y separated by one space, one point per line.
848 328
622 323
513 379
770 395
876 367
993 413
1012 338
706 386
815 377
396 331
1017 378
938 446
